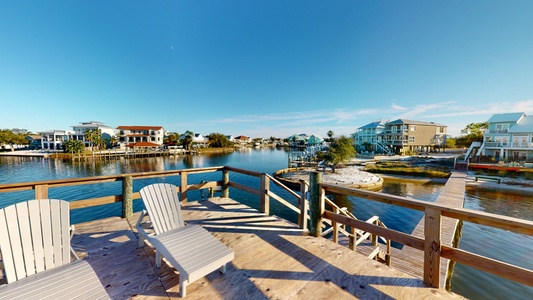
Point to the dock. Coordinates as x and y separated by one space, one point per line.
274 259
411 260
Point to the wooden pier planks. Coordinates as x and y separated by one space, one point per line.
410 260
273 259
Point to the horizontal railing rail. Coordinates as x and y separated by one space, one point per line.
431 244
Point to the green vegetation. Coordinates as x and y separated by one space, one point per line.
473 132
13 137
73 146
219 140
404 168
95 139
340 150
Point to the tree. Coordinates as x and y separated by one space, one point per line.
330 135
340 150
219 140
473 132
187 140
13 137
94 137
73 146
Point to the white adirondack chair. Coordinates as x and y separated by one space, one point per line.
36 254
191 249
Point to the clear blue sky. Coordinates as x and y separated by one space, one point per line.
263 68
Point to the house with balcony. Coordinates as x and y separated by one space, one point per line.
80 130
129 136
53 139
367 138
509 136
404 135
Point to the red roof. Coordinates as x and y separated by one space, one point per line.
140 127
143 144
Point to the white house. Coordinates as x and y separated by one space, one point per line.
79 130
53 139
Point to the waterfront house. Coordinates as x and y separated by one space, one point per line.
242 140
35 141
416 136
368 138
53 139
509 136
79 131
127 135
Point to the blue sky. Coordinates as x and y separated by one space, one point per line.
263 68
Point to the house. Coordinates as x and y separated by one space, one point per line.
241 139
127 135
53 139
509 136
368 137
79 131
407 135
34 141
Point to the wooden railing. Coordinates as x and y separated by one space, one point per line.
431 244
315 193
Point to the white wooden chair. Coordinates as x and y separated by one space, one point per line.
36 254
191 249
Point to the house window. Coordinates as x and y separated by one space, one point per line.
411 139
413 128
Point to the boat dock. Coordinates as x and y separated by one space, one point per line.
274 259
411 260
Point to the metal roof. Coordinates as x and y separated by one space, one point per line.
509 117
525 125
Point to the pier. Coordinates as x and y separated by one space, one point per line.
275 258
411 260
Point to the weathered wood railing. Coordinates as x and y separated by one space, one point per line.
315 191
431 244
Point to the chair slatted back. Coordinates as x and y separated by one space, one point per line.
163 206
34 236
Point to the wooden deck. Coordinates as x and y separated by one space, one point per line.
273 260
411 260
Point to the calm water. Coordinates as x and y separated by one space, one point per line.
498 244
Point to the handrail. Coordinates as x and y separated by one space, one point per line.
430 244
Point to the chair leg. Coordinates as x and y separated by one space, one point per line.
157 259
223 269
141 240
183 287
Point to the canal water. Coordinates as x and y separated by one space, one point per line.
498 244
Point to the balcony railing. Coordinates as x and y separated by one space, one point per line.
516 145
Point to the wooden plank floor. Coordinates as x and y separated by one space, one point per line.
411 260
273 260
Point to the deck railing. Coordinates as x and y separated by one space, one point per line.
314 196
431 243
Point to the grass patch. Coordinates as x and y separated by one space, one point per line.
403 168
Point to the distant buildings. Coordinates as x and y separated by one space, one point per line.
509 136
400 136
83 127
140 136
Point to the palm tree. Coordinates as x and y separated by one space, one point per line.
330 135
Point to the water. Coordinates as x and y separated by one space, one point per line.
467 281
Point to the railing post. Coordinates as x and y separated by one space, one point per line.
41 191
353 239
432 247
302 204
183 187
316 203
335 226
225 183
264 198
127 197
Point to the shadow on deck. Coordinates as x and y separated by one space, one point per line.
273 259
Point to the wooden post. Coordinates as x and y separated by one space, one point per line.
335 227
225 183
353 239
127 197
264 198
302 204
183 187
41 191
432 245
316 204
